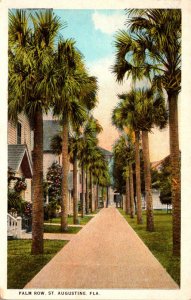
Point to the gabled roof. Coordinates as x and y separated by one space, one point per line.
105 152
50 128
158 164
18 157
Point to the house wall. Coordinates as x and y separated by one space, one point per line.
156 200
25 132
48 160
12 134
26 138
28 191
26 195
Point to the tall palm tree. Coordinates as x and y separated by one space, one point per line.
88 140
150 49
56 147
73 152
73 86
97 166
127 191
124 156
125 115
148 108
81 142
89 130
30 90
152 112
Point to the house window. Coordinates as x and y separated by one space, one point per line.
19 128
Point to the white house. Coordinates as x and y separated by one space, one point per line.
19 151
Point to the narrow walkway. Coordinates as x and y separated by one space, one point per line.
69 225
106 253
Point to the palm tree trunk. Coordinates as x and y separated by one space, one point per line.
102 195
127 204
97 196
37 207
93 196
75 192
175 166
138 179
147 173
83 195
90 192
87 192
132 211
64 202
107 199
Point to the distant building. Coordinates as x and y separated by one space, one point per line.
155 192
50 129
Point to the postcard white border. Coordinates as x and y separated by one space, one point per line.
184 292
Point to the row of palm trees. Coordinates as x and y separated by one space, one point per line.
83 152
48 72
150 51
139 111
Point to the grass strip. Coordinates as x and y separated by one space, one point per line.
22 266
57 229
160 241
82 221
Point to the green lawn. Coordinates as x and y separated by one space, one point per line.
82 221
22 266
57 229
159 241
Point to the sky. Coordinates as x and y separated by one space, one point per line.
94 32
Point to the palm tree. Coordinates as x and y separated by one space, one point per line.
73 152
56 147
124 157
148 108
90 130
127 191
97 166
88 140
152 112
125 115
77 152
30 91
150 49
72 80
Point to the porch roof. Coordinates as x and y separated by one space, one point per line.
18 157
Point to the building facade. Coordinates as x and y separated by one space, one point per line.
20 145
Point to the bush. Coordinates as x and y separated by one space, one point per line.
50 210
54 182
15 202
165 193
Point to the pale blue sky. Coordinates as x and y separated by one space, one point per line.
93 31
93 43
